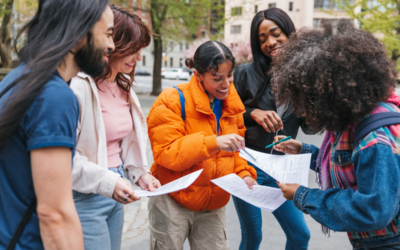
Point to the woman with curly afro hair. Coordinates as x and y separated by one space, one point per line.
335 79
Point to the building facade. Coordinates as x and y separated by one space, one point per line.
304 13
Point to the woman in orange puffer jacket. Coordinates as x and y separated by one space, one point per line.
209 138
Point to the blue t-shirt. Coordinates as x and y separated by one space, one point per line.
50 121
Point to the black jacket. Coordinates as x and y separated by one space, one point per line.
257 138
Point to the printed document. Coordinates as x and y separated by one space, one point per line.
266 198
173 186
283 168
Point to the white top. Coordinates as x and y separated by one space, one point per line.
90 172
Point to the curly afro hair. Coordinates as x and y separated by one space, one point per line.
333 78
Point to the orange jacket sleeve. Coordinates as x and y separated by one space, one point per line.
173 148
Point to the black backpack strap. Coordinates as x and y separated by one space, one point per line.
22 225
374 122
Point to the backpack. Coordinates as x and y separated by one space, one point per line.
374 122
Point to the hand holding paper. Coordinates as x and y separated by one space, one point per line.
263 197
173 186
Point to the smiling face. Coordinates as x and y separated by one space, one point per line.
92 57
217 83
270 37
125 65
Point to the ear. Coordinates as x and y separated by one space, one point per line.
197 74
80 44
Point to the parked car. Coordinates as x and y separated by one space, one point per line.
175 73
141 72
188 70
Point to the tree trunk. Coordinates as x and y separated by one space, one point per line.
157 88
5 36
395 55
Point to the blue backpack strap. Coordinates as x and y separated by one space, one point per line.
374 122
217 112
182 100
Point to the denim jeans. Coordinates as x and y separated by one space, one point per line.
102 219
289 217
390 247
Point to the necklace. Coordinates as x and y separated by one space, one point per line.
114 94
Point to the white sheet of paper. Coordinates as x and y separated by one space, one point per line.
266 198
283 168
173 186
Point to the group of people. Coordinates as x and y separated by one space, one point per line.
72 130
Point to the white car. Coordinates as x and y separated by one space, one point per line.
175 73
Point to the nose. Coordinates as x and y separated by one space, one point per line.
271 41
139 56
226 83
111 45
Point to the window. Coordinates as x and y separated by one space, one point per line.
180 62
255 9
236 29
237 11
203 34
290 6
134 7
171 62
143 8
327 4
144 60
272 5
187 46
180 47
166 63
317 23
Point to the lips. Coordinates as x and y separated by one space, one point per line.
224 91
130 65
274 51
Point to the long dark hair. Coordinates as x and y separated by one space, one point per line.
55 29
209 55
130 36
262 63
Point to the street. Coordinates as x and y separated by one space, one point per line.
144 83
136 234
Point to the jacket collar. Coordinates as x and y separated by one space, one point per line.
232 105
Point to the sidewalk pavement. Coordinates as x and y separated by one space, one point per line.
136 233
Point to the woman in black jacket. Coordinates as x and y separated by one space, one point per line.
264 119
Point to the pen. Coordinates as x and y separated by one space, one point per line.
244 150
273 144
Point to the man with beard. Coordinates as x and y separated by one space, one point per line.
38 123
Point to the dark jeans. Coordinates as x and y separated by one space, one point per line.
289 217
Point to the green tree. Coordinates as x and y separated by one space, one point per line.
380 17
5 32
178 20
25 9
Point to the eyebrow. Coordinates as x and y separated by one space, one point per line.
110 28
271 30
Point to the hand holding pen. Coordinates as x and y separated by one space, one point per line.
288 146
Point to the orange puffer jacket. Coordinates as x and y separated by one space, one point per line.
180 148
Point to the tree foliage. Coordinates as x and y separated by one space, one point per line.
380 17
24 10
178 20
